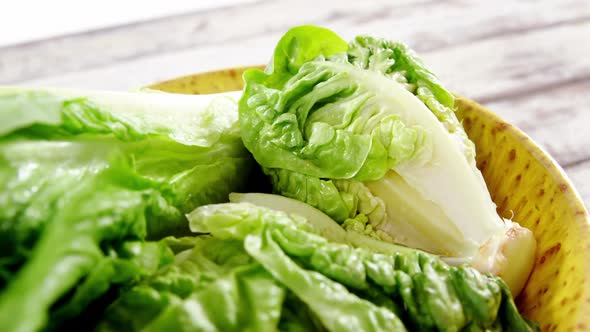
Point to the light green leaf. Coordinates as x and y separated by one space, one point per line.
428 294
84 172
374 130
214 286
335 307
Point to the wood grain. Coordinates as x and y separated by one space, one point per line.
580 176
557 119
426 25
484 70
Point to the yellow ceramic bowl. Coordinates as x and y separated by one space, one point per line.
526 184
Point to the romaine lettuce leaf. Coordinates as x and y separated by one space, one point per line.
76 242
237 285
429 294
371 129
269 269
214 286
85 175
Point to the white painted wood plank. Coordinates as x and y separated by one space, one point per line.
140 72
557 119
580 176
515 65
482 70
425 25
49 19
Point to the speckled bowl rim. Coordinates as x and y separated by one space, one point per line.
582 219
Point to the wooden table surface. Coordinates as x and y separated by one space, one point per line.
529 61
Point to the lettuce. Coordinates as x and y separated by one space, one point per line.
88 176
266 269
411 289
364 132
212 286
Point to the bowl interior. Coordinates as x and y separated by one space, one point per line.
527 186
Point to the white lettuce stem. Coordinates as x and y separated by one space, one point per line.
509 254
439 201
445 177
409 219
321 222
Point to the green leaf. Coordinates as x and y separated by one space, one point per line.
426 293
69 248
296 47
127 263
373 131
85 174
326 226
335 307
321 194
298 317
327 124
213 286
397 61
248 299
